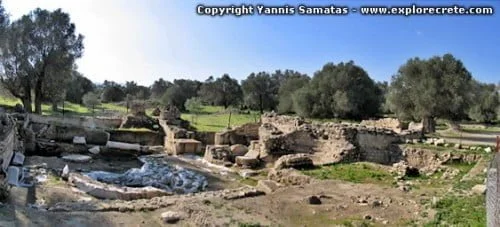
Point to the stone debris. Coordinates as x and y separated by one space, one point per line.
77 158
267 186
218 154
289 177
439 142
18 159
479 189
294 161
239 150
172 217
123 146
95 150
246 162
488 150
65 172
79 140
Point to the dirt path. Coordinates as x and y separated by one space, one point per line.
487 138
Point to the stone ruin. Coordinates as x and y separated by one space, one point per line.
171 115
325 143
11 151
139 119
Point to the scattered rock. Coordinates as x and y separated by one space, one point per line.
457 146
377 203
246 162
217 154
293 161
79 140
267 186
94 150
313 200
367 217
248 173
439 142
488 150
239 150
289 177
171 217
77 158
479 189
65 172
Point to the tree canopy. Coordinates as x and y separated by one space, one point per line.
260 91
341 91
224 91
438 87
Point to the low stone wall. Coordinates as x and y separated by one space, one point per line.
283 123
239 135
86 122
145 138
64 133
493 192
389 123
8 140
207 138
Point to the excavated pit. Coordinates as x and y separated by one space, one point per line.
156 174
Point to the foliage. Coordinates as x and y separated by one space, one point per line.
43 46
181 91
91 100
112 93
260 91
224 91
194 106
77 87
292 82
434 88
486 102
159 88
339 91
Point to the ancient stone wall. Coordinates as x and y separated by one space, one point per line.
86 122
283 123
207 138
8 140
376 146
388 123
239 135
493 193
149 138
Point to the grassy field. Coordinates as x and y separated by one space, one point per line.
353 172
215 118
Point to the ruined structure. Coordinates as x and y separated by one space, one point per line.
325 143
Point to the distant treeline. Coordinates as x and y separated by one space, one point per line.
38 51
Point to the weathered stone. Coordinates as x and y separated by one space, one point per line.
79 140
293 161
108 191
246 162
171 217
488 150
289 177
95 150
439 142
479 189
123 146
217 154
18 159
267 186
156 112
239 149
77 158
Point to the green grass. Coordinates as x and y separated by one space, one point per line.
217 119
460 211
482 130
355 172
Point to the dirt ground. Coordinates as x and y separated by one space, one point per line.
341 202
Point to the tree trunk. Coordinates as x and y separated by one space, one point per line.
54 106
229 121
27 104
429 125
261 105
38 96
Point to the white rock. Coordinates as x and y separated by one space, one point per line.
79 140
95 150
77 158
65 172
479 189
488 150
171 217
123 146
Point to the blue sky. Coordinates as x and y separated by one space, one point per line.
144 40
